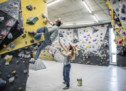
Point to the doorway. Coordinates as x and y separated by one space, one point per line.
113 47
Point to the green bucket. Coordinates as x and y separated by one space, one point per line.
79 81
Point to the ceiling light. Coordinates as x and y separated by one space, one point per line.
95 18
87 7
53 3
68 24
84 23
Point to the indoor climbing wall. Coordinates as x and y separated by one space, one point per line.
14 67
11 7
118 17
31 17
16 45
117 9
89 42
9 26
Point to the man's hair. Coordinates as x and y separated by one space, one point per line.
59 23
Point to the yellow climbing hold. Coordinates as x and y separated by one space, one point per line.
8 58
88 46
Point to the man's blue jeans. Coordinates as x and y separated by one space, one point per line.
46 42
66 74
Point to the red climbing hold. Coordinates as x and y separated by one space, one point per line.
10 23
102 25
4 33
51 50
120 41
95 55
76 45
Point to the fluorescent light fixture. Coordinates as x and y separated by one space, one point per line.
84 23
53 3
67 24
87 7
95 18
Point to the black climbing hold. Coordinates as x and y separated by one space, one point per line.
95 30
32 41
29 7
43 15
24 35
114 1
31 32
123 10
124 6
60 34
117 10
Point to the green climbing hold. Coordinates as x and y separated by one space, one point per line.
32 20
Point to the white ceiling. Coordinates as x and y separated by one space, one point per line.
73 12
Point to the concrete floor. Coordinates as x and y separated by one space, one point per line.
95 78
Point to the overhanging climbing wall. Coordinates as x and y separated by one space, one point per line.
38 7
118 17
117 10
1 1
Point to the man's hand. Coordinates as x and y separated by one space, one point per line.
44 15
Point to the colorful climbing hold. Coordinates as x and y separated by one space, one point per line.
8 58
4 33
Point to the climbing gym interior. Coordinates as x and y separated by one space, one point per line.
57 45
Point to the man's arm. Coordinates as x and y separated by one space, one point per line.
48 20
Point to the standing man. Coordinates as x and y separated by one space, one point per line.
49 35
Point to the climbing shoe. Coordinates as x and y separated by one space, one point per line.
65 88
